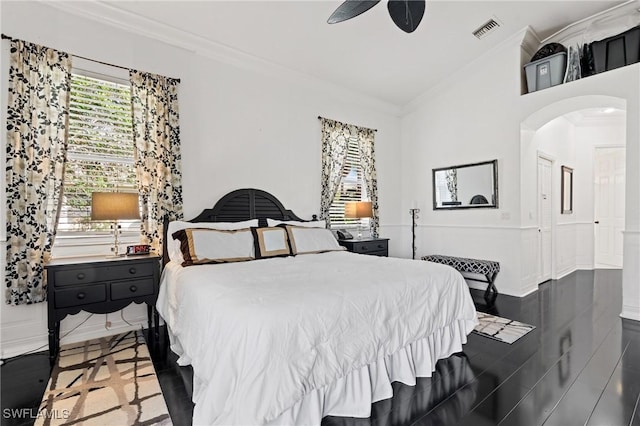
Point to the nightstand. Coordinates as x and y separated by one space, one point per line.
374 246
99 285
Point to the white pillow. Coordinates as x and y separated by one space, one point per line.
312 240
173 246
200 246
310 224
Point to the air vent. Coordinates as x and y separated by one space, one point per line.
486 28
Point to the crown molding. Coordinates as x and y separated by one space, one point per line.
137 24
578 28
469 67
530 41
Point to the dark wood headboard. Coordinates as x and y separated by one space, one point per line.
239 205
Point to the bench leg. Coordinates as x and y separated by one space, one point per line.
491 288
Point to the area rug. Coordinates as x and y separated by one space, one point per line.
105 381
502 329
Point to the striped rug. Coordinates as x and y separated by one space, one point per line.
502 329
105 381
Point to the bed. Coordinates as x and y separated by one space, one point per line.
289 340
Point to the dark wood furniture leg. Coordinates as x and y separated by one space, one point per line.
156 318
150 320
491 292
52 343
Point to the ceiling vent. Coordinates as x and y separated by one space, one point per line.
486 28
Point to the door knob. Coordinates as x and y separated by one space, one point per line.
596 222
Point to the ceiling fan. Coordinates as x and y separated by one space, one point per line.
406 14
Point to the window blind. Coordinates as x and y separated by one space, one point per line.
352 188
100 158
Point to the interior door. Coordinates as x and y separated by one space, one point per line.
545 215
609 180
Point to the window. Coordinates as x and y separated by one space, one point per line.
352 188
100 158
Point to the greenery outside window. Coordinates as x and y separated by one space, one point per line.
100 158
352 188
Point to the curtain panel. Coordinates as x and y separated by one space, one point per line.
156 135
37 122
366 139
335 141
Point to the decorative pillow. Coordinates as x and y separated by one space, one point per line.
199 246
311 240
310 224
270 242
173 246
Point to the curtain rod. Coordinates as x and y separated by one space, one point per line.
320 118
6 37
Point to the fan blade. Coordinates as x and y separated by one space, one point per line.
350 9
406 14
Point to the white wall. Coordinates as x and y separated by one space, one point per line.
479 114
572 144
469 118
241 126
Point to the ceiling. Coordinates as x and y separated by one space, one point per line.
368 54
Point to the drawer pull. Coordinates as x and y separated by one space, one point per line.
132 270
81 295
81 276
380 246
133 289
364 248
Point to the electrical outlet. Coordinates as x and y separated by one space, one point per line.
107 324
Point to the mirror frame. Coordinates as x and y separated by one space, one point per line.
477 206
566 190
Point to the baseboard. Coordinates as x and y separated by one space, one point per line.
631 313
564 273
41 343
629 324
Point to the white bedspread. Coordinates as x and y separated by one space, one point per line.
262 334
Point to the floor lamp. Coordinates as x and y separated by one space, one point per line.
115 206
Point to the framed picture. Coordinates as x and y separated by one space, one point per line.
566 190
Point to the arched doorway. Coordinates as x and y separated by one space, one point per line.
570 136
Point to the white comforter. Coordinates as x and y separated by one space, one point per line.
261 334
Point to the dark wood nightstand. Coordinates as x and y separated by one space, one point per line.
374 246
99 285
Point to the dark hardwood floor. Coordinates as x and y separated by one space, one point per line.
580 366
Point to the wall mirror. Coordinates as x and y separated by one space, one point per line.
466 187
566 190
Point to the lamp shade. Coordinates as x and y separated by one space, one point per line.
115 206
357 209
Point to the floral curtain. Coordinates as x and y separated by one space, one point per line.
335 139
452 183
156 135
366 139
37 119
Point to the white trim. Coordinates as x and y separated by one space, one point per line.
18 347
579 27
630 312
134 23
432 225
461 73
533 290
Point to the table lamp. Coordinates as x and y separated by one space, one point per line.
358 210
115 206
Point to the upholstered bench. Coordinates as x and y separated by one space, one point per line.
488 268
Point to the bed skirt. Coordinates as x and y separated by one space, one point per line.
353 394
